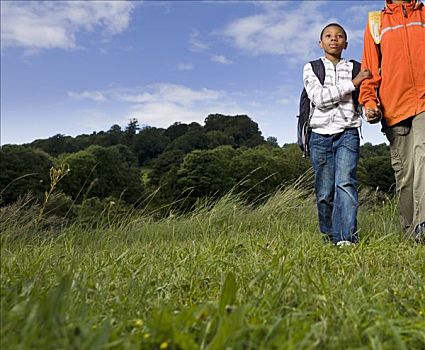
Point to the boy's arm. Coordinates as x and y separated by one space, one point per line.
324 97
370 60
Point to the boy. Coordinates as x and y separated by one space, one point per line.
334 142
398 69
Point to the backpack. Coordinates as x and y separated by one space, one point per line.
306 112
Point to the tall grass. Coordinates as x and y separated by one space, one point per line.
226 276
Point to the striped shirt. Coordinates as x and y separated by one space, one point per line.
334 108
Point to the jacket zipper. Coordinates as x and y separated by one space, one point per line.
404 11
412 76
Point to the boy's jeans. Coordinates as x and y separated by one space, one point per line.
407 145
334 159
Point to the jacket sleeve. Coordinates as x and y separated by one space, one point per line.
324 97
370 60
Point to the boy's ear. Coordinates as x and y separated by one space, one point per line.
346 45
320 44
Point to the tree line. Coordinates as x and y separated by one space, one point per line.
182 163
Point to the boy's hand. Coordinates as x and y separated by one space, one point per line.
363 74
373 115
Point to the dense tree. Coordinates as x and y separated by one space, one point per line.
209 159
102 172
192 140
243 129
259 172
376 172
131 130
81 176
164 163
176 130
114 136
23 170
375 169
55 145
368 150
272 141
149 143
205 173
217 138
295 164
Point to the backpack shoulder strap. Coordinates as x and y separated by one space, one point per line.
319 69
354 72
356 68
374 18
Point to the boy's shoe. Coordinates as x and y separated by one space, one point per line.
344 243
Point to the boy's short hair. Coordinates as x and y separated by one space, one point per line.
333 25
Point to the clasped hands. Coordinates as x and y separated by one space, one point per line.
373 115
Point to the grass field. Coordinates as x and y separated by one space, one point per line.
224 277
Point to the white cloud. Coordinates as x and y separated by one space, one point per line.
91 95
163 104
196 44
221 59
36 25
292 28
185 66
287 101
165 93
163 114
280 30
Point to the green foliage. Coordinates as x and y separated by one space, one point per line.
225 276
23 170
217 138
259 172
55 145
241 128
147 164
377 173
149 143
296 164
176 130
190 141
131 129
93 212
205 173
82 173
272 141
102 172
375 169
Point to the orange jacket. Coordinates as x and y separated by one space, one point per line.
402 79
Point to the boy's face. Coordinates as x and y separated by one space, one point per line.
333 41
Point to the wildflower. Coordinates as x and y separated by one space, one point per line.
146 335
139 322
164 345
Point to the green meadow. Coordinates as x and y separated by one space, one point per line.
225 276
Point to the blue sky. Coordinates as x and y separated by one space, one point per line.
77 67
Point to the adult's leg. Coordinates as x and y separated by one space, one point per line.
418 130
346 202
402 160
323 165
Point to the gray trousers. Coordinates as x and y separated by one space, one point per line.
407 146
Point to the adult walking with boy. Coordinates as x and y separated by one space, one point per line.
334 142
394 51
